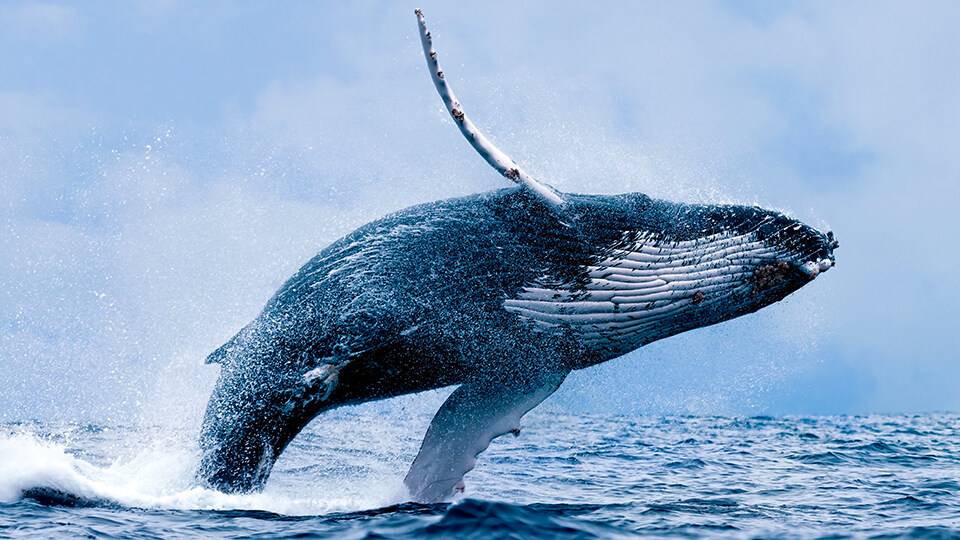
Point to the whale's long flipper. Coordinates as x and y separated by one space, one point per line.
476 413
493 155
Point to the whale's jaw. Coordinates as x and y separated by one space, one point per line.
799 270
823 261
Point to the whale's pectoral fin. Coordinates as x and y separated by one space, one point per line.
476 413
493 155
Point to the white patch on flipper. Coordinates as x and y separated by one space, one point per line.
638 291
473 415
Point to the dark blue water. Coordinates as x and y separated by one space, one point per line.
564 477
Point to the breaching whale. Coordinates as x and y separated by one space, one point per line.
501 293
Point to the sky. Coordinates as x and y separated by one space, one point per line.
165 166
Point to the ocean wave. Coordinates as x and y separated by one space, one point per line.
565 477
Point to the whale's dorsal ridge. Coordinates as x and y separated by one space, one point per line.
493 155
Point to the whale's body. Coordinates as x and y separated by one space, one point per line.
495 292
501 293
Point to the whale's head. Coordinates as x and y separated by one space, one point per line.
660 268
749 255
712 263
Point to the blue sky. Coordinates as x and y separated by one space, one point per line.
165 166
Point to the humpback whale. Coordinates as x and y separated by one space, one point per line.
502 294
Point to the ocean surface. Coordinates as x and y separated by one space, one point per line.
563 477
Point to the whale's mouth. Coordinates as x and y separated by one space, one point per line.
795 271
824 260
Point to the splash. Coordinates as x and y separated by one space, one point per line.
156 476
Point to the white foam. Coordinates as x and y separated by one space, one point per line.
161 477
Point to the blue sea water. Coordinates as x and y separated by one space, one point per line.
563 477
